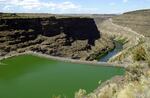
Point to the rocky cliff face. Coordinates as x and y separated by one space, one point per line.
76 38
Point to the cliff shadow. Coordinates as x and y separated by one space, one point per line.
82 29
74 28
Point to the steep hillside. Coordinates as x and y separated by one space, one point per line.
129 28
136 20
71 37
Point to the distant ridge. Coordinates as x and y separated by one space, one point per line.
138 11
138 21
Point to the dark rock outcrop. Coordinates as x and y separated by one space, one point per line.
73 37
74 28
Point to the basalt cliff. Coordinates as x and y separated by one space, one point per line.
71 37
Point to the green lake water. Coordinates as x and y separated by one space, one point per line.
29 76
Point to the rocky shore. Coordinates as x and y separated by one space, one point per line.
63 59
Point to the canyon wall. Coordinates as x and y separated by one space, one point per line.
71 37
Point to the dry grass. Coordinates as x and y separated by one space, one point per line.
139 54
138 21
132 87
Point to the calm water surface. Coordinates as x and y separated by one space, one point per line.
29 76
118 48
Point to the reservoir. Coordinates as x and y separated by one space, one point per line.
29 76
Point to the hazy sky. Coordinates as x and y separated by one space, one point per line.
73 6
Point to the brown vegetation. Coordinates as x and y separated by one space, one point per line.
136 82
136 20
139 54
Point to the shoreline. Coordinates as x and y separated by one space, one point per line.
63 59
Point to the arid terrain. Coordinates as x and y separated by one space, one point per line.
85 37
132 28
72 37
